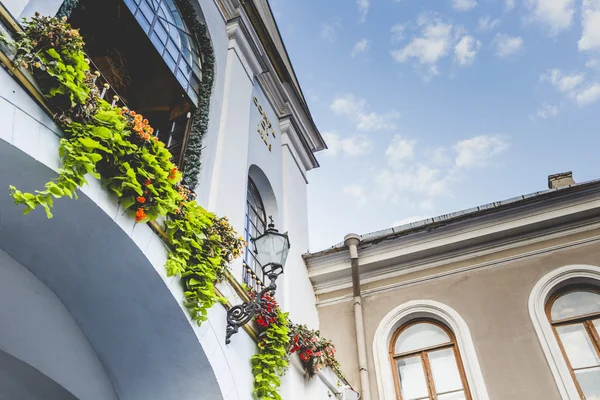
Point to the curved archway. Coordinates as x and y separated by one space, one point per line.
266 191
540 294
419 309
138 330
20 380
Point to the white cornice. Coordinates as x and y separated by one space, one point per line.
242 42
292 135
381 260
489 264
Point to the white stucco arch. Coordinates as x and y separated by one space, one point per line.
424 309
544 288
266 191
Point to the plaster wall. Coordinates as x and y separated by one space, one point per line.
38 330
494 303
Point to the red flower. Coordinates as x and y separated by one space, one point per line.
141 199
140 214
148 182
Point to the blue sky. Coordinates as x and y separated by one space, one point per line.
434 106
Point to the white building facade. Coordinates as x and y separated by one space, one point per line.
100 319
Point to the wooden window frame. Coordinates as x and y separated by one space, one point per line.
587 321
423 353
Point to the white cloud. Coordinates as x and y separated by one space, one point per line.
438 156
486 24
363 9
588 95
360 47
590 22
507 45
356 109
547 111
329 30
416 180
397 32
572 85
509 5
564 83
464 5
393 184
554 15
410 220
400 150
433 44
353 146
357 192
478 150
466 50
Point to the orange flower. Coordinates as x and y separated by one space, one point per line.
132 113
148 182
141 199
145 122
151 130
138 118
140 214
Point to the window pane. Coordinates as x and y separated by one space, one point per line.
578 346
412 378
420 336
575 304
446 377
589 380
452 396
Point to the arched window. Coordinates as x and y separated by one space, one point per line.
426 363
162 22
256 224
574 314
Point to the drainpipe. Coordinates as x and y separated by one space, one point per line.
351 241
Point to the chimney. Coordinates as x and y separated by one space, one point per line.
562 180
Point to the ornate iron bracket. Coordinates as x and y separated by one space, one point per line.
241 314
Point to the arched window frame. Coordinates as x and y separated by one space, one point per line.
422 352
585 319
541 293
419 309
181 53
254 208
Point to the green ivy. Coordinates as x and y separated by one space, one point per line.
193 152
271 361
116 145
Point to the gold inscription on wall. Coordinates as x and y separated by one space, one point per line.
264 128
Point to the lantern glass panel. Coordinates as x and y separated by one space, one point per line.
272 248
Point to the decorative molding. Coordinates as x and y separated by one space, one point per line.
419 309
433 277
291 130
540 294
241 41
450 258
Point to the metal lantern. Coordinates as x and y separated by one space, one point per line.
271 249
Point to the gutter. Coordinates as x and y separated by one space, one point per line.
351 241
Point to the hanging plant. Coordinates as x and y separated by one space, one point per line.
117 146
314 351
271 361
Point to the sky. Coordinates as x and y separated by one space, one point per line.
434 106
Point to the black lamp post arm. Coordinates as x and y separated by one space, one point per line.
243 313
